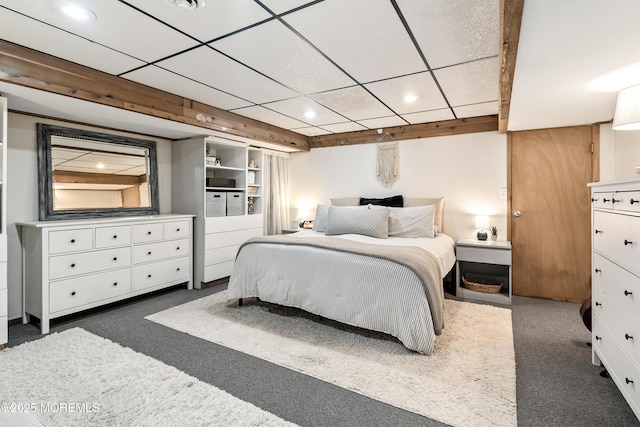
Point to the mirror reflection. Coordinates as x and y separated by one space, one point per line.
94 175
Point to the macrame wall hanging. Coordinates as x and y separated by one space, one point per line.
388 169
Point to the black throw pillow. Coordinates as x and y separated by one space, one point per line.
393 201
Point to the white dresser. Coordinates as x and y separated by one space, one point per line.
74 265
616 284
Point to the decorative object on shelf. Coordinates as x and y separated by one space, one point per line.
494 233
252 164
208 149
251 178
252 191
210 160
218 161
482 222
250 205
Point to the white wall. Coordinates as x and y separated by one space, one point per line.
22 189
468 170
619 154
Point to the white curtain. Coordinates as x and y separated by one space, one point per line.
275 177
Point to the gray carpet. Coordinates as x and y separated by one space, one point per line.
556 383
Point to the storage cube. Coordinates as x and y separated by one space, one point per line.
216 203
235 204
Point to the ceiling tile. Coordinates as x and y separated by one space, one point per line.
268 116
457 31
274 50
281 6
429 116
215 70
118 26
366 37
476 110
216 19
344 127
162 79
382 122
470 83
311 131
393 91
33 34
353 102
297 107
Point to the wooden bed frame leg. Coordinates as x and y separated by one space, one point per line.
239 302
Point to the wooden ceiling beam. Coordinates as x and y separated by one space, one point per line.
30 68
510 22
417 131
69 177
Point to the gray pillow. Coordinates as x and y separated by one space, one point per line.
369 221
320 223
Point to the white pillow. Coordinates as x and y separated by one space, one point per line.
322 216
412 222
370 221
425 201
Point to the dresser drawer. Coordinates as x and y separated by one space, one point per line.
158 273
626 201
218 271
108 237
224 223
230 238
602 199
70 240
79 291
155 251
218 255
151 232
622 369
620 285
62 266
624 328
176 229
617 236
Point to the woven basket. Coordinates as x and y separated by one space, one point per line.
484 286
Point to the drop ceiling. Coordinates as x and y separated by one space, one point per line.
350 61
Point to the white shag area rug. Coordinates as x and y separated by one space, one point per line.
469 380
75 378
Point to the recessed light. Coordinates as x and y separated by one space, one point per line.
310 114
100 165
410 98
186 5
78 12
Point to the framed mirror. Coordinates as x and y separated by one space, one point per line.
83 174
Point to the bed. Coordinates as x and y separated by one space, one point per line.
374 267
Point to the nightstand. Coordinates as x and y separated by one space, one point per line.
483 261
290 230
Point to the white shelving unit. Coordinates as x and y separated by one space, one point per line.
219 194
4 331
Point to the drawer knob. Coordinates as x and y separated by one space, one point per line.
177 229
115 258
615 201
628 337
598 270
73 240
605 200
628 381
632 201
598 231
149 276
627 242
73 265
178 269
149 253
115 283
598 338
115 236
178 248
594 200
627 293
598 304
73 293
149 233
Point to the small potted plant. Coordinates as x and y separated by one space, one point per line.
494 233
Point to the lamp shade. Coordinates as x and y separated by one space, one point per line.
482 221
627 115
